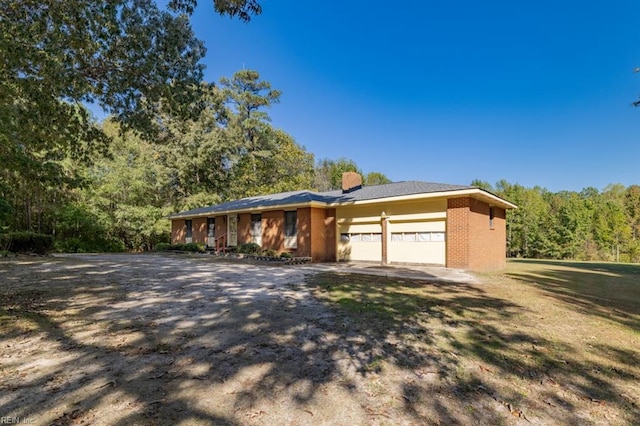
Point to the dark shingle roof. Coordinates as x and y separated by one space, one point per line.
300 197
282 198
393 190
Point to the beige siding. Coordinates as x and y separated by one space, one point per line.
416 217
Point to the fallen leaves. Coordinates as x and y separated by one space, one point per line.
512 410
254 414
483 368
67 418
373 413
591 399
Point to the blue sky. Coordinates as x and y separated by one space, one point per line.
537 93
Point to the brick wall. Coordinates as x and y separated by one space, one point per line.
471 242
304 237
458 233
487 244
318 235
178 231
273 230
221 225
330 235
199 227
244 228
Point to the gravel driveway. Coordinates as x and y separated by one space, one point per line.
163 339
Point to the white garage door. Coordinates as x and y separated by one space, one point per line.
362 242
418 242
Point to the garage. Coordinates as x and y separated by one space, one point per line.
417 242
360 242
407 242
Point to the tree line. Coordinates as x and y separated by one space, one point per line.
118 197
174 142
587 225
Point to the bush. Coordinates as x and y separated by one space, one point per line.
27 242
249 248
188 247
285 255
270 253
71 245
162 247
194 247
79 245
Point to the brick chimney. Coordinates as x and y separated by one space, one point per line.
351 181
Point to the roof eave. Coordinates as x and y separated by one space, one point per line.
491 199
259 208
481 194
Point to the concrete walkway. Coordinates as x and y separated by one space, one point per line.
419 272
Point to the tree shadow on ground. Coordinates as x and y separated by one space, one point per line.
482 347
160 340
608 290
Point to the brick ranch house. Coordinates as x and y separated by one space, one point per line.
403 222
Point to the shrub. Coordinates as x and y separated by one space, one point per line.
249 248
70 245
162 247
270 253
188 247
285 255
79 245
194 247
26 242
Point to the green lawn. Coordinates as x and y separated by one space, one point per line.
555 342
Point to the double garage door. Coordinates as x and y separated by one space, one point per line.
408 242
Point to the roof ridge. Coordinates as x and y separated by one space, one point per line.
387 190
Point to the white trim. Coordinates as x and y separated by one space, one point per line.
291 242
492 200
482 194
232 235
258 209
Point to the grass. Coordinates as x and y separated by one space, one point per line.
559 340
608 291
355 294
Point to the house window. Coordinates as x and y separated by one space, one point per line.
417 237
256 228
366 237
424 236
437 237
189 225
290 229
491 217
211 231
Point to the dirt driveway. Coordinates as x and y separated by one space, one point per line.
150 339
195 340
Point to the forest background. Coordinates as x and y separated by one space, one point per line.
173 141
